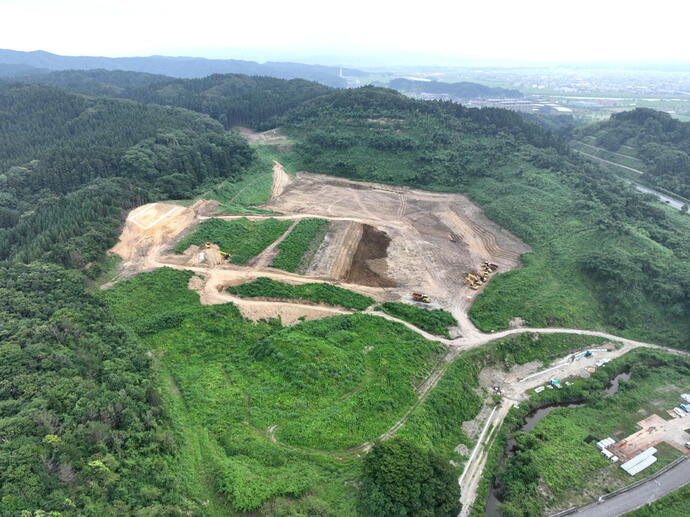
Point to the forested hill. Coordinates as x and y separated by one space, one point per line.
656 138
431 144
232 99
605 256
185 67
70 166
106 83
461 90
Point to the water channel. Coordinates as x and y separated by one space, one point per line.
530 422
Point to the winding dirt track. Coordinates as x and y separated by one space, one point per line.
410 217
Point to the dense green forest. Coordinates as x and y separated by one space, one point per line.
636 280
83 428
656 138
72 165
231 99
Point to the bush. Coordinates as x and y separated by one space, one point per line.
315 292
435 321
400 479
298 243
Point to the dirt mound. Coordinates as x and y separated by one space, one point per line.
152 226
369 261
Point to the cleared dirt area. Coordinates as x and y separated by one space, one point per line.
272 136
383 241
435 238
150 226
655 429
334 256
281 179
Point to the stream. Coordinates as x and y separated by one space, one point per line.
530 422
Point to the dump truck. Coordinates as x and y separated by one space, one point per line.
419 297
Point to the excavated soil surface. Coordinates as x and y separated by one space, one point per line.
368 263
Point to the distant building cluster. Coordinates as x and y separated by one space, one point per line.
522 105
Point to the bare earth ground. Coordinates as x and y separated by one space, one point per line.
386 242
655 429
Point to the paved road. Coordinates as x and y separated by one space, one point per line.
663 198
612 152
641 495
666 199
638 171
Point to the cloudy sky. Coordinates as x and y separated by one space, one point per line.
452 31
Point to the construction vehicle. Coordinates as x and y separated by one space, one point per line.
419 297
487 266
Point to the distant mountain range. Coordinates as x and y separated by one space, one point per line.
462 90
16 63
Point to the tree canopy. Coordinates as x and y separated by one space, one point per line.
400 479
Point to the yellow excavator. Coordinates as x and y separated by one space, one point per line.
223 254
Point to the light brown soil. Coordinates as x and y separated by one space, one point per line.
272 136
334 257
151 226
655 429
281 179
421 256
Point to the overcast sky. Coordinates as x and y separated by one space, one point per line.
452 30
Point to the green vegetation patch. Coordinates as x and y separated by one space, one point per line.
241 238
313 292
435 321
674 504
318 388
400 479
304 237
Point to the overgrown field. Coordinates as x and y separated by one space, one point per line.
241 238
313 292
553 466
435 321
303 239
320 386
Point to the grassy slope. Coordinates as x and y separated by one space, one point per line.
304 237
435 321
314 292
551 290
242 238
329 384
